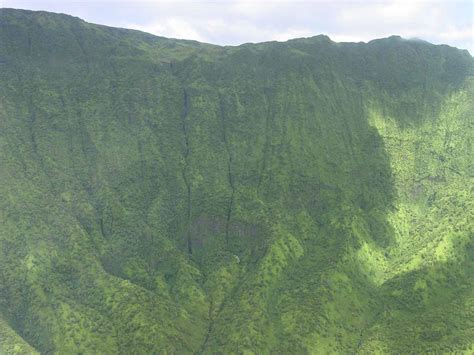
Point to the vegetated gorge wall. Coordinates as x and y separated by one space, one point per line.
163 195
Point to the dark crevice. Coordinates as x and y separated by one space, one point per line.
348 141
142 160
209 329
33 137
89 154
32 129
363 332
229 171
184 116
30 46
102 227
212 319
80 43
269 117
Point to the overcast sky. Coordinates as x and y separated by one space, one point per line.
239 21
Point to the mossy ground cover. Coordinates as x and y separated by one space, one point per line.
165 196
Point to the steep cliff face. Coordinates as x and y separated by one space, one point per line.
163 195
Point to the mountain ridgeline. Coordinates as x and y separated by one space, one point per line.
169 196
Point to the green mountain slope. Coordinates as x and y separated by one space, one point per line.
168 196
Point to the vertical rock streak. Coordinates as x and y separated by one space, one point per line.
185 172
229 170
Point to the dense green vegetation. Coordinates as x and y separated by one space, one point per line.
168 196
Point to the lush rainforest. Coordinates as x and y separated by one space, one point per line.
169 196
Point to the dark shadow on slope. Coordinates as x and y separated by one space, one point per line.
429 309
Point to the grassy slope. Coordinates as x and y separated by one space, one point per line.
11 343
162 195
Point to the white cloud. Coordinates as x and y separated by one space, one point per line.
171 27
350 38
206 30
398 14
435 21
249 7
399 11
457 33
292 33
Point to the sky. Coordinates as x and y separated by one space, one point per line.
233 22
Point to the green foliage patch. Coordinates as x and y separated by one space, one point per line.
168 196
